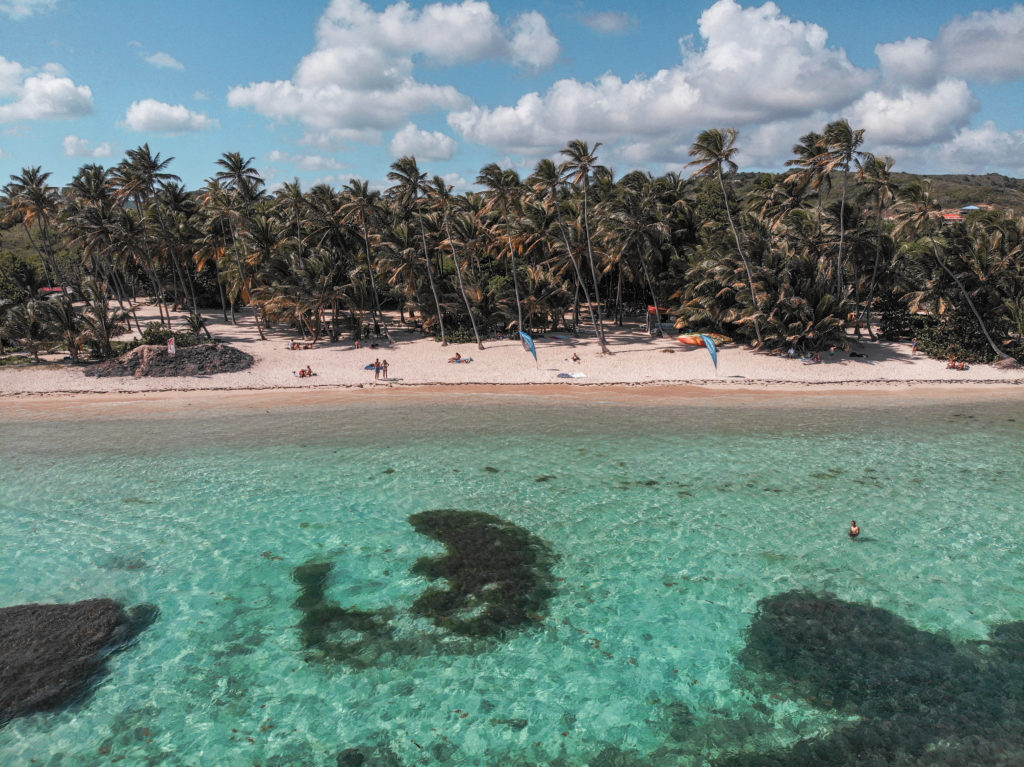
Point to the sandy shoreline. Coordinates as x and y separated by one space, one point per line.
115 405
641 368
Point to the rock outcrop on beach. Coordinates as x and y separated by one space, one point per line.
154 361
51 654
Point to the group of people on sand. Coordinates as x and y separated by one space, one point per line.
306 372
296 345
955 364
380 369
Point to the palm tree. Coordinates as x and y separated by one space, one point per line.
33 203
634 227
409 186
503 191
713 150
811 171
101 323
137 178
840 144
30 324
362 209
66 324
920 216
875 173
440 198
244 183
577 170
546 182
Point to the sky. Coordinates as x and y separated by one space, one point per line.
325 91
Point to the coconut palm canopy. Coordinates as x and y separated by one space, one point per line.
829 250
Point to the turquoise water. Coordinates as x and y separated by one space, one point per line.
666 526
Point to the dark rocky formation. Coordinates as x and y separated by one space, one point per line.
154 361
920 698
498 580
50 655
498 575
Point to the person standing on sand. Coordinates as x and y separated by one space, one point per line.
376 369
913 347
384 369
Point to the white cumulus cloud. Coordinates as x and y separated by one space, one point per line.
424 145
19 9
751 66
360 79
305 162
80 147
609 22
43 95
163 60
987 45
913 116
980 150
158 117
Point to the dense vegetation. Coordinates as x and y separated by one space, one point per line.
839 246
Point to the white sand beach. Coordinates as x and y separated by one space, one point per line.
418 361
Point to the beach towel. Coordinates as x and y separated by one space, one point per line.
371 366
572 375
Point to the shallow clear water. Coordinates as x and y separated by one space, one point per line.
669 523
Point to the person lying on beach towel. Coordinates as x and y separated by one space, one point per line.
456 358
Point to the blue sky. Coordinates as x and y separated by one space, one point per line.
330 90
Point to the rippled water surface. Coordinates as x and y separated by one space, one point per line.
653 532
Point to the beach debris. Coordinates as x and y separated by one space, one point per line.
154 361
51 654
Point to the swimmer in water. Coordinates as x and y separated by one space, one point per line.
854 530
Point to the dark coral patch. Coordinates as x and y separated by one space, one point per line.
50 655
336 632
921 698
497 573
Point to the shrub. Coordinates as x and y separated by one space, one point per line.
895 322
156 334
956 335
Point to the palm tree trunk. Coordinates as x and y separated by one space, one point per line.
373 285
654 297
593 272
866 314
963 291
580 283
746 264
430 277
842 234
462 288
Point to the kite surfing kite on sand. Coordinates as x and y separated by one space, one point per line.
709 341
528 342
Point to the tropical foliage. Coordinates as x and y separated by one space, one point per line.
826 252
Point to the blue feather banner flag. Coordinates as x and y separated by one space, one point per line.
709 343
529 344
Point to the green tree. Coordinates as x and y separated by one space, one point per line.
713 150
